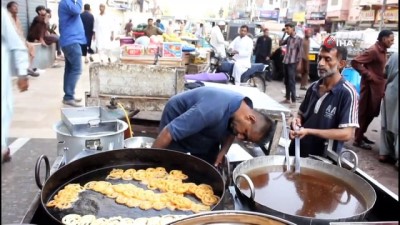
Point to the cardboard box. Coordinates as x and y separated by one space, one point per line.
172 50
134 50
152 49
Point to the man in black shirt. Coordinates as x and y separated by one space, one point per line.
262 50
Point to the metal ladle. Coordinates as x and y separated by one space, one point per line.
286 136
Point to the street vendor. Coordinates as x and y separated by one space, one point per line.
204 122
329 112
151 29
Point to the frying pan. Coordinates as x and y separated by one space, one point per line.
96 167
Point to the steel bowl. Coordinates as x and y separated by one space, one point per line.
139 142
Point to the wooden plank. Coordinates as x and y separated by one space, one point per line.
149 60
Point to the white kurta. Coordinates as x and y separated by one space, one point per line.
217 41
103 26
244 46
14 61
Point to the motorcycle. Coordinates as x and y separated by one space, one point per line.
220 70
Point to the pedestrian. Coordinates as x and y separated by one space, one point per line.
242 48
12 8
389 145
88 24
263 47
205 121
128 28
328 115
291 62
305 62
51 36
217 40
38 28
103 33
72 36
151 29
14 61
370 64
160 25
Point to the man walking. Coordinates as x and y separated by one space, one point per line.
103 33
88 24
14 61
305 62
217 39
262 50
291 61
370 64
128 28
72 36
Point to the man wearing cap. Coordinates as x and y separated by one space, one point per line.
217 39
328 115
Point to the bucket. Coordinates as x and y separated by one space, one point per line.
352 76
139 142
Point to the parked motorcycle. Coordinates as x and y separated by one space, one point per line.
220 70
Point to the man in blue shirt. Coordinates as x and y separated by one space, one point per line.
329 112
72 36
204 121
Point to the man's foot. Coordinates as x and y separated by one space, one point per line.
71 103
33 73
7 156
91 59
286 101
303 88
386 159
109 60
362 145
366 140
77 99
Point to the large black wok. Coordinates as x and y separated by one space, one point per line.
286 208
96 167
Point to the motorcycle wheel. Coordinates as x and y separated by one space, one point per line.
258 82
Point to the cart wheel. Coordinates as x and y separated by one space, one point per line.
37 170
258 82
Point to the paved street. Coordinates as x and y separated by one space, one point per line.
39 108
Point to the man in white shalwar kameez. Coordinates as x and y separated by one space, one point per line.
242 47
103 33
217 39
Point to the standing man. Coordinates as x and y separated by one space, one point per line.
305 62
262 50
160 25
242 47
88 24
128 28
151 29
389 147
217 39
12 8
328 114
371 64
14 61
103 33
291 61
205 121
72 36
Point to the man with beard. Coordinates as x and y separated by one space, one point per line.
370 64
329 114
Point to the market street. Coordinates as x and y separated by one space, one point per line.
38 109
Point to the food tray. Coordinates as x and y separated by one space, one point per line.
88 120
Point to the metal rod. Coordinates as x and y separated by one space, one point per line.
381 24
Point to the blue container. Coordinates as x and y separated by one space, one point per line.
351 75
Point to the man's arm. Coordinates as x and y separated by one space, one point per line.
163 140
269 47
224 149
339 134
364 58
74 6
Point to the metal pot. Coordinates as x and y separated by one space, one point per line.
69 146
139 142
270 164
231 217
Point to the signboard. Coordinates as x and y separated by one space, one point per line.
172 50
389 14
367 15
269 14
315 22
299 16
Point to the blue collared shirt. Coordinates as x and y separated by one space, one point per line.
71 26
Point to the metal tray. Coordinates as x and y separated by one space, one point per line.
87 120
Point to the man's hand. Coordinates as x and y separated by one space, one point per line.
22 84
220 158
299 133
296 123
267 58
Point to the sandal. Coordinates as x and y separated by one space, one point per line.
362 145
7 156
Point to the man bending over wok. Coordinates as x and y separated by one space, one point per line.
204 121
328 115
